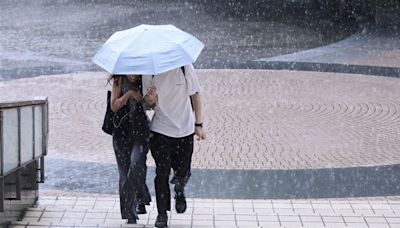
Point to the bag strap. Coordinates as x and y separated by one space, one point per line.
117 125
126 115
183 71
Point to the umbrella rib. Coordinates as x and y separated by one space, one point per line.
180 46
122 52
184 51
177 49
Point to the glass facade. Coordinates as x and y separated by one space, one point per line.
23 142
10 140
38 131
27 137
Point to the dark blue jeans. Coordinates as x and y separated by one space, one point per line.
131 161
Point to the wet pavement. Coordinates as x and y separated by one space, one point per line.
67 176
272 134
256 119
51 37
300 134
261 123
103 211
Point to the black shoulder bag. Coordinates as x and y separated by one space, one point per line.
108 122
113 120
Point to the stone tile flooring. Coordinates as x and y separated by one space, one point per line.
103 211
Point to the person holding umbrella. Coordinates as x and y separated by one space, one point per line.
174 123
131 144
163 54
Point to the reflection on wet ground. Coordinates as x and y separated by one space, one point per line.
100 178
51 37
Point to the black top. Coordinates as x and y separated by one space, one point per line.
135 125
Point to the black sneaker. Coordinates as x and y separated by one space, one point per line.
162 220
141 209
131 221
180 202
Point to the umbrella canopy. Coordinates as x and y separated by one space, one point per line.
148 49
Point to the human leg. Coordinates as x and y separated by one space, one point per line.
137 175
122 153
160 150
181 164
161 154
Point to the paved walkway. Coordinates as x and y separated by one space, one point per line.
255 119
103 211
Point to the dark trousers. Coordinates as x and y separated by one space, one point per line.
175 153
131 161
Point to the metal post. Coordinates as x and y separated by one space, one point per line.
37 165
1 194
19 136
18 185
41 169
44 141
1 145
45 133
1 164
33 133
45 126
18 172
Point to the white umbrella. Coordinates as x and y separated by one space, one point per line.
148 49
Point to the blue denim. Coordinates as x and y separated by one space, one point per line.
132 176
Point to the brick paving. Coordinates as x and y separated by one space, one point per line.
255 119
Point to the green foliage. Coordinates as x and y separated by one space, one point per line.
393 4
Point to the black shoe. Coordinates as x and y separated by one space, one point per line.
162 220
132 221
180 202
141 209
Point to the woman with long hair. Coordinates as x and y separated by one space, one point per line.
131 144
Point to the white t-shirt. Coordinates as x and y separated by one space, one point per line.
173 115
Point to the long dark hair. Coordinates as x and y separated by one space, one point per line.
115 77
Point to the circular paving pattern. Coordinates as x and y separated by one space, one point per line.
255 119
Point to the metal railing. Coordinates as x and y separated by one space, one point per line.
24 128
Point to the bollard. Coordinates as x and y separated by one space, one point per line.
1 194
1 165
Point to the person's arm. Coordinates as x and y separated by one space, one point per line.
150 99
150 93
199 131
117 101
193 86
